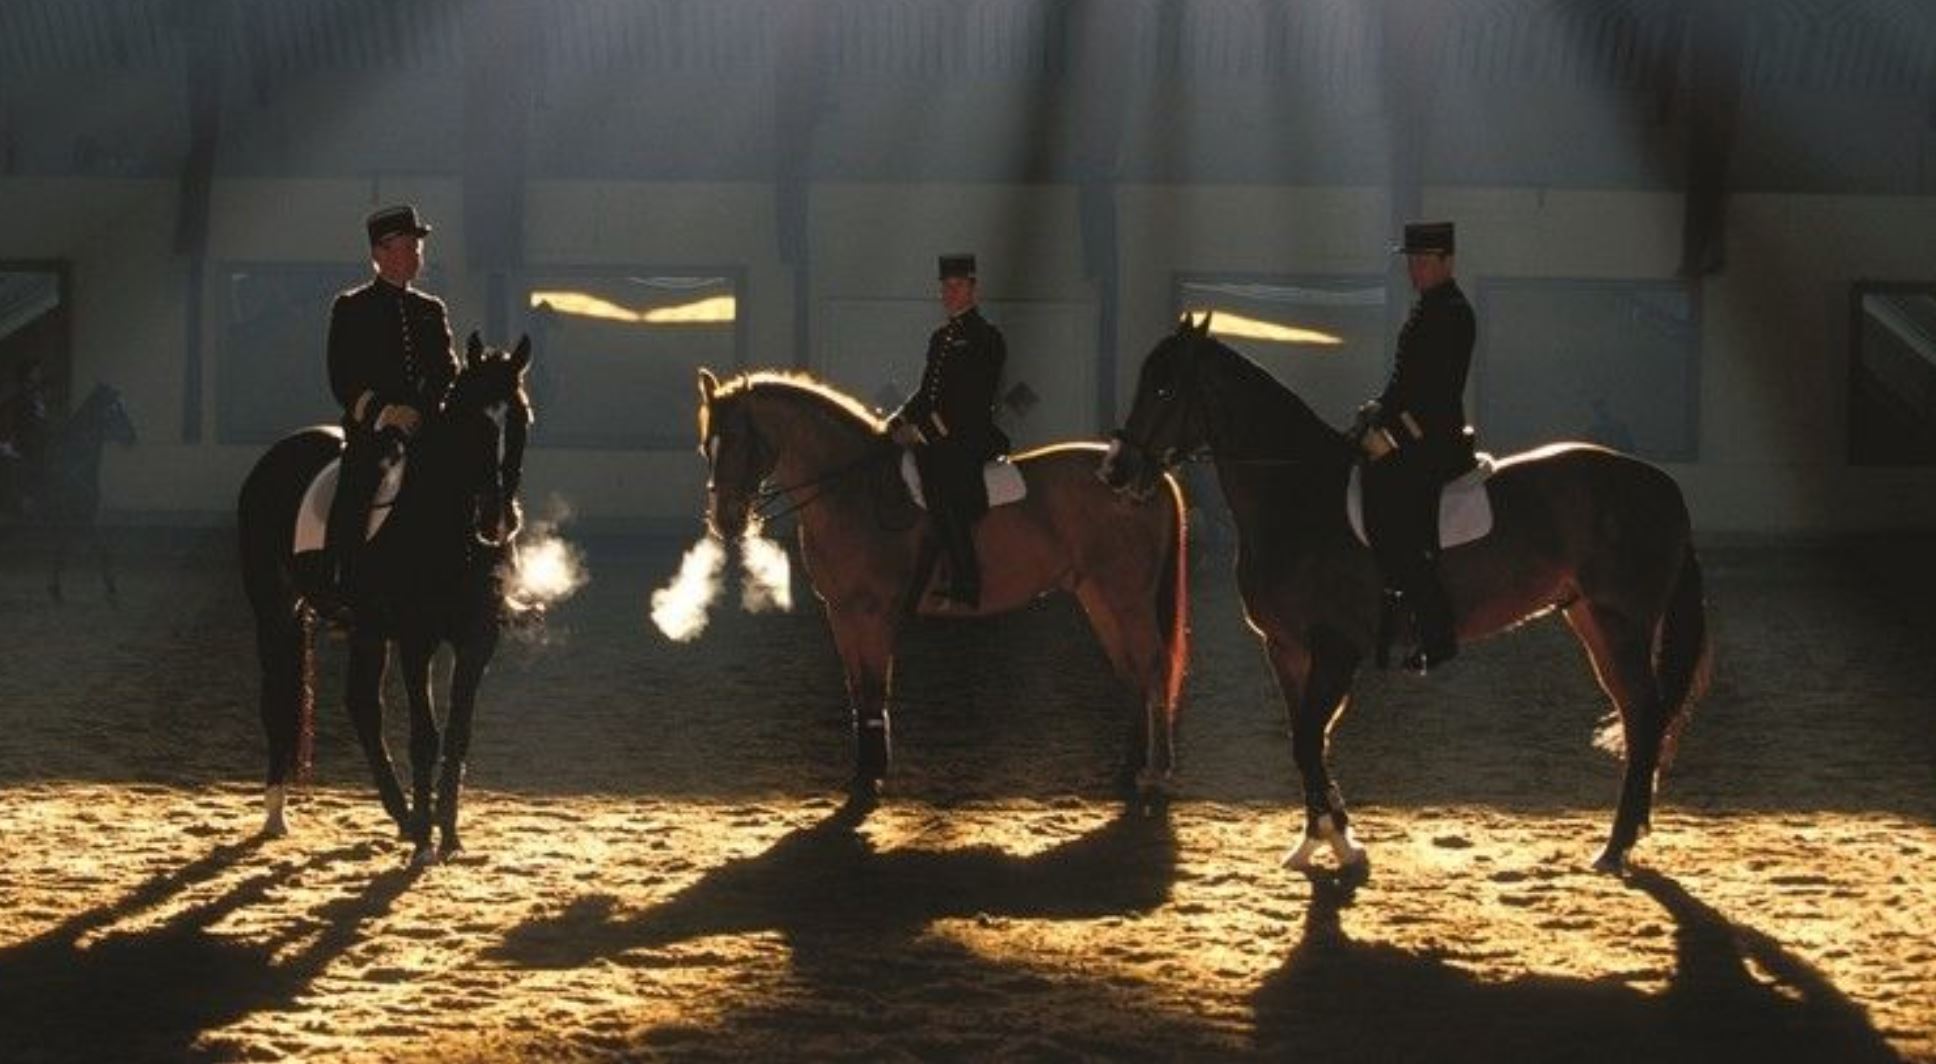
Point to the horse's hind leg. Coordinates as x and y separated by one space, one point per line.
369 659
1135 647
414 657
1621 652
1316 681
284 652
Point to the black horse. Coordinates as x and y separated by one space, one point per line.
66 488
436 571
1597 535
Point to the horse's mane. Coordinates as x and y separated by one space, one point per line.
802 385
1272 416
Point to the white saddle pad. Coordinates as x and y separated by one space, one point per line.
1465 508
312 517
1001 477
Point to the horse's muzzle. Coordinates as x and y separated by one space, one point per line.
1126 471
726 516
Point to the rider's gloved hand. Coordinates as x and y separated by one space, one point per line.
404 419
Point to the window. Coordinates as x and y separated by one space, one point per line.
1892 375
1611 362
615 353
1324 337
273 374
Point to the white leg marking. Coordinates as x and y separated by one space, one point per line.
1343 845
273 824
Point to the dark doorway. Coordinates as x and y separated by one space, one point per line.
34 368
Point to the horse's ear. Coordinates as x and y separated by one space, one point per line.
708 384
1203 327
1183 323
521 354
474 346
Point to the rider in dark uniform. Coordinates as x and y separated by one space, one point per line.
1415 439
390 365
950 423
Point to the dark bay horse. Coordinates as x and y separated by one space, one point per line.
869 551
436 568
67 486
1599 536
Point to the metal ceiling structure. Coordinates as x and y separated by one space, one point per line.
102 86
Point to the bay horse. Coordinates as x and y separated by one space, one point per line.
68 483
869 551
1599 536
436 569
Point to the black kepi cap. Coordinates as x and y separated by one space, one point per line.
390 221
959 265
1426 238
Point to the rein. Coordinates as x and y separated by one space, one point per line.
825 482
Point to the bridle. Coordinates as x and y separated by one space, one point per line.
762 499
1177 401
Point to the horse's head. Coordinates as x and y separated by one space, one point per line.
490 388
1166 423
103 416
738 458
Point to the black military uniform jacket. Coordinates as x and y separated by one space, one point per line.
1423 402
955 405
392 344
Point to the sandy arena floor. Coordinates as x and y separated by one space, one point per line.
660 863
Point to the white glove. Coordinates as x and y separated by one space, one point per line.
398 416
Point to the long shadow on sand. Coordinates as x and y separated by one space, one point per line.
150 994
864 971
1339 999
827 882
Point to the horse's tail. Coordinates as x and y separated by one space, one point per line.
284 626
1683 655
1173 601
285 649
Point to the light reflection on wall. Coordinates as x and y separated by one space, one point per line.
1224 323
712 310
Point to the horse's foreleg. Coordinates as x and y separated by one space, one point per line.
104 559
369 659
467 676
1621 655
60 564
1135 648
1315 685
865 639
414 655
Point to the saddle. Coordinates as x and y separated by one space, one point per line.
1465 507
312 517
1001 477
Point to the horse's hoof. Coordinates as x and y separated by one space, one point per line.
866 788
423 856
275 827
1299 860
1610 862
1151 783
1346 849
